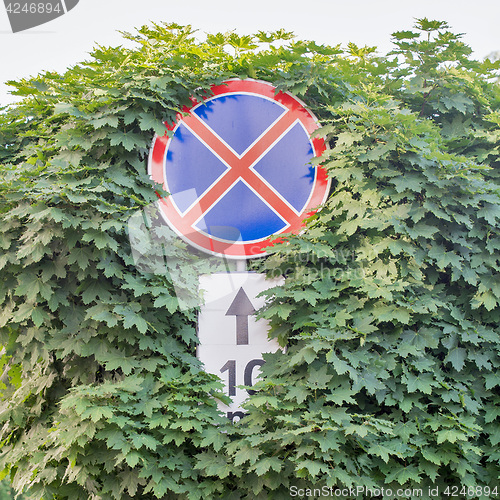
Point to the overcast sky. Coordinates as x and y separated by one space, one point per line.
69 39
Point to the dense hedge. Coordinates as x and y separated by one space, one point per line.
390 308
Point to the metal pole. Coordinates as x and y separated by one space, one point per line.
241 266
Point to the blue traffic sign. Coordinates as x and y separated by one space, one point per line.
238 169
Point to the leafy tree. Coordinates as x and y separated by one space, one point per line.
390 308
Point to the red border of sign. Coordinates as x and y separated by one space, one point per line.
240 250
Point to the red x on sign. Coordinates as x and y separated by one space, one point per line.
238 164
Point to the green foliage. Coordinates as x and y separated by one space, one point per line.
390 308
7 493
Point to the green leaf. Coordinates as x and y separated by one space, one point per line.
360 430
423 382
118 361
131 318
421 230
80 256
211 436
110 120
266 464
146 441
392 312
29 286
403 475
213 464
380 451
340 395
299 393
130 482
148 121
458 101
487 299
171 303
100 239
403 35
408 182
133 458
328 442
97 413
450 435
93 291
319 378
313 468
63 107
38 316
126 139
102 312
457 357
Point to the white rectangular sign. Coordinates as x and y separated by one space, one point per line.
232 341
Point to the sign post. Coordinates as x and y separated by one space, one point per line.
232 340
238 169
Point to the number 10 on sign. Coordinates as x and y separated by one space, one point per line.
232 340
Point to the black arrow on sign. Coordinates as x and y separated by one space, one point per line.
241 308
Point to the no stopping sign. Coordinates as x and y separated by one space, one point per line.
238 170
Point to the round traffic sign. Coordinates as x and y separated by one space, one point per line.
237 167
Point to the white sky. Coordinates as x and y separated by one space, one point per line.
68 40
